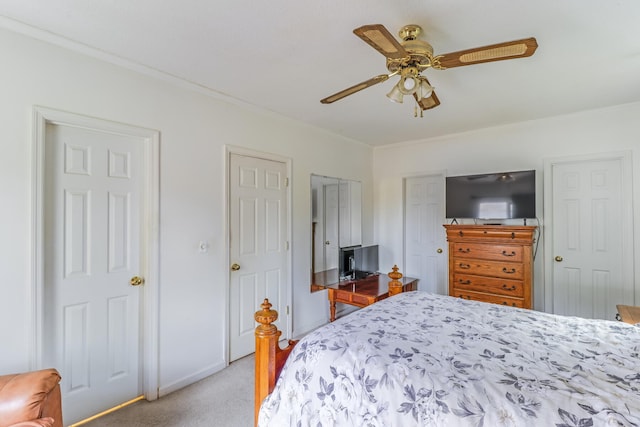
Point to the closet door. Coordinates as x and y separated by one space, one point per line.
258 246
94 256
591 256
424 236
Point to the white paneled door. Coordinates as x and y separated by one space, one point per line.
591 258
92 246
425 237
258 218
331 229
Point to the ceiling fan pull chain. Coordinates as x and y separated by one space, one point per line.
417 108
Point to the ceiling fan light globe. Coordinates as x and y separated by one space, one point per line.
408 84
395 94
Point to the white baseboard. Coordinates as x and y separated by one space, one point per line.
163 390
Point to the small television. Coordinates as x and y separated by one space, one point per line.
503 195
358 261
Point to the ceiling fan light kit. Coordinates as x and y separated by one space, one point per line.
412 56
410 85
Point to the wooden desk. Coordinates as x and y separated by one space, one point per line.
364 292
628 314
321 279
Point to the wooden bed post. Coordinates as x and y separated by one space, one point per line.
395 285
266 343
269 356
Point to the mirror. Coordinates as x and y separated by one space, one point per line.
336 222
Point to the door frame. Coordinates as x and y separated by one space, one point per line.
625 158
149 241
241 151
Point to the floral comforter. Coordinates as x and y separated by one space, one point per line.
419 359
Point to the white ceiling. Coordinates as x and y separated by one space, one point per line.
285 55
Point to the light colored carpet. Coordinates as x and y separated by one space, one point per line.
224 399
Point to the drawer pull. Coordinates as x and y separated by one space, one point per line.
464 266
505 253
504 270
506 288
465 251
464 297
513 304
464 282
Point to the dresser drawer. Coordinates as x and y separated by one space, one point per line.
347 297
494 234
494 299
492 252
488 268
490 285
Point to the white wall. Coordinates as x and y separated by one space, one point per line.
194 129
514 147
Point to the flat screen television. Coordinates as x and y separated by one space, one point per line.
503 195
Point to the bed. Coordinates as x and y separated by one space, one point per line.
431 360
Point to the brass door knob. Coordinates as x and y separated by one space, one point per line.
439 250
235 267
136 281
559 258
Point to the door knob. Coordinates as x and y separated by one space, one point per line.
559 258
439 250
235 267
136 281
327 242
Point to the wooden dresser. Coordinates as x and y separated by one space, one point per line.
491 263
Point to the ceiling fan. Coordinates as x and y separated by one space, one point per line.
411 56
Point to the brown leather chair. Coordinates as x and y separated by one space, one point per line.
31 399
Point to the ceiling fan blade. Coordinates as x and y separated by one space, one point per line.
428 103
355 88
495 52
378 37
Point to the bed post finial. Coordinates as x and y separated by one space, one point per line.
395 285
265 317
